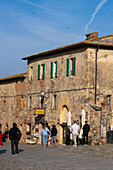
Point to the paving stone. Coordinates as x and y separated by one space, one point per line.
34 157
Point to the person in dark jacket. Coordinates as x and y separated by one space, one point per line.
86 129
68 135
53 134
14 136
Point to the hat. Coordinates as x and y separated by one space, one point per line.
75 121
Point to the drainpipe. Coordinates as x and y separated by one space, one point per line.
96 73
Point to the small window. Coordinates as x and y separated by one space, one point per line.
71 66
31 73
54 102
4 106
41 71
53 69
109 102
29 102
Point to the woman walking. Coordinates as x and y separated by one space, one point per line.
44 132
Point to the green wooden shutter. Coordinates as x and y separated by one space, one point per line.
51 69
74 66
43 75
56 70
38 72
67 69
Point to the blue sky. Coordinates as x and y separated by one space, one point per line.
32 26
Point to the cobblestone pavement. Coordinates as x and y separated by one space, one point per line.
34 157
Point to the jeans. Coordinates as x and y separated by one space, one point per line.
44 139
54 139
14 143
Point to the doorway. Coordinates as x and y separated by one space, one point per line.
63 124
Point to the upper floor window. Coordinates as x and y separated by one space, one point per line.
41 71
4 106
71 66
31 73
53 69
30 102
54 102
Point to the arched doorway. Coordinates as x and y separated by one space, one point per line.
63 123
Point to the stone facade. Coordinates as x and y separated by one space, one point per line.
13 102
73 78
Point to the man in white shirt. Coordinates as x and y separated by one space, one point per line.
75 129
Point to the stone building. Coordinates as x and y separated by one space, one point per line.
71 79
74 77
13 102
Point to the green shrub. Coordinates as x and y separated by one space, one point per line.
97 143
89 140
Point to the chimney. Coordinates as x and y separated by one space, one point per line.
91 35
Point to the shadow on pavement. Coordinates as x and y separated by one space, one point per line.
3 151
20 150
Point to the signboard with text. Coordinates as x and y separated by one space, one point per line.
39 111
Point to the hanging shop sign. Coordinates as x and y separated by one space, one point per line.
39 111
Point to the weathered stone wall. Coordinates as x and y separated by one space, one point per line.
13 99
104 92
70 91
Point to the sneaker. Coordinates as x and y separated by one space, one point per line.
13 155
16 154
74 145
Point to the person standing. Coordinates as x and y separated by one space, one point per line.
86 129
1 136
44 133
68 135
53 134
14 136
75 129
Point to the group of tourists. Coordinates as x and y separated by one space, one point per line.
15 135
75 129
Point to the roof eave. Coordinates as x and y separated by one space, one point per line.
17 76
68 47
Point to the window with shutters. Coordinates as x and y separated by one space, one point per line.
53 69
41 71
71 66
38 72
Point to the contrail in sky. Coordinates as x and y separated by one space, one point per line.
99 6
